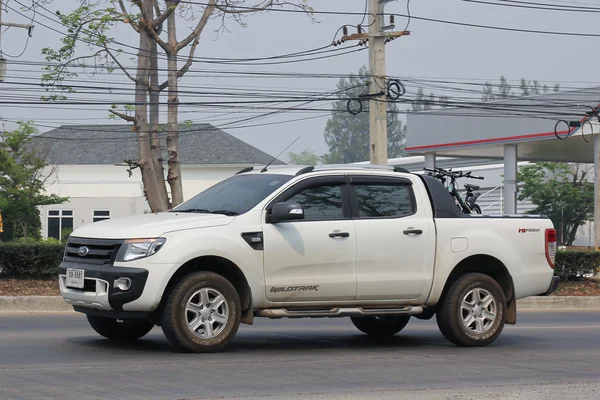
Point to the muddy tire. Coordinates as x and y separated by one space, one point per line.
202 313
380 326
472 312
120 330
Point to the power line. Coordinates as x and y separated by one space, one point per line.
210 60
534 6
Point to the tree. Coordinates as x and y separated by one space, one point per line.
93 22
22 179
504 89
348 135
424 103
305 157
562 192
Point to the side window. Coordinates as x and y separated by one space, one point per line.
384 200
321 202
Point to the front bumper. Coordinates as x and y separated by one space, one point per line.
99 291
553 286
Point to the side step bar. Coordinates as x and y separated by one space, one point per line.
338 312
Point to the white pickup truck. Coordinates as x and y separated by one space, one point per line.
376 244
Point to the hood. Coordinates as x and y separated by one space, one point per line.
149 225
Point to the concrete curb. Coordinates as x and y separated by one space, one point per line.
558 302
57 304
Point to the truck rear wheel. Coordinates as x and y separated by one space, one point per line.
120 330
472 312
202 313
380 326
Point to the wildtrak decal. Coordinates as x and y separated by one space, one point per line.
276 289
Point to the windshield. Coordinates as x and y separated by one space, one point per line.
235 195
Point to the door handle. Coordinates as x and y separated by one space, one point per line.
339 234
413 232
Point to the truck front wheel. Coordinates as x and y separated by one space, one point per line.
380 326
120 330
202 313
472 312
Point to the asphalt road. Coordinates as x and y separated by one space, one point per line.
548 355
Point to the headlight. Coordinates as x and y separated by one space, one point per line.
134 249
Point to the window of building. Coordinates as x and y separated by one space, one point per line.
58 222
384 200
101 215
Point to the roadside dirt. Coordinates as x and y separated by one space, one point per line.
49 287
578 288
28 287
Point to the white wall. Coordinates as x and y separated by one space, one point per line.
108 187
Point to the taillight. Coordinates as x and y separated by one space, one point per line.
551 246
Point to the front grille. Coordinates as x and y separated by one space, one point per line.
99 251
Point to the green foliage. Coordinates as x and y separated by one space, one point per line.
22 182
561 192
348 135
30 260
573 265
306 157
64 235
89 23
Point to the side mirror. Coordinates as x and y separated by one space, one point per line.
282 212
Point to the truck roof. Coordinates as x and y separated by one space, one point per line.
295 170
443 204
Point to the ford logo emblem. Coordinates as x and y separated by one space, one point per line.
83 251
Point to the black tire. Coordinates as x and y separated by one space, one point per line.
475 209
120 330
380 326
450 314
176 316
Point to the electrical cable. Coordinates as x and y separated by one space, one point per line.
525 5
34 7
211 60
407 12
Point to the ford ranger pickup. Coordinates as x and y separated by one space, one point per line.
373 243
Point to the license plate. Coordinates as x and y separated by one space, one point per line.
75 278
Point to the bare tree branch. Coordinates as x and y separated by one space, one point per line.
265 5
65 65
195 34
124 116
148 24
120 65
248 10
160 18
185 67
126 14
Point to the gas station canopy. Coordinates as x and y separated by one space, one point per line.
559 126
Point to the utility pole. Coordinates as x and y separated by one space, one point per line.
29 28
597 194
377 38
377 91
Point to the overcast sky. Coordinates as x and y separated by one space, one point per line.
433 50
